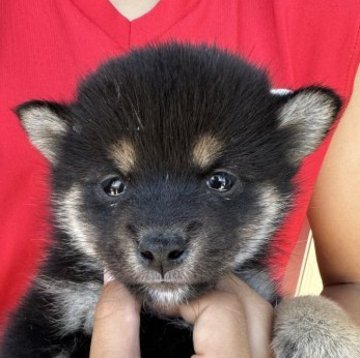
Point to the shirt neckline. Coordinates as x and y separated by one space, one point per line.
139 31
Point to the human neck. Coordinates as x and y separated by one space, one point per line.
133 9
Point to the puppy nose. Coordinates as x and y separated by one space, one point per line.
162 253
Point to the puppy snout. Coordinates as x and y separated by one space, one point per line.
162 253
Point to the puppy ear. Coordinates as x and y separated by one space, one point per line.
45 123
307 116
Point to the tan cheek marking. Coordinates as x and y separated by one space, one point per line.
124 155
69 218
206 151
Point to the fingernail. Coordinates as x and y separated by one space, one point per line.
108 277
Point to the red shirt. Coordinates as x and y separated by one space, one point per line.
46 46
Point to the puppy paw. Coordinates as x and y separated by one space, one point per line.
314 327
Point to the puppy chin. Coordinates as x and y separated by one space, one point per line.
166 298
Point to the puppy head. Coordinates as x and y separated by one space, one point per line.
173 165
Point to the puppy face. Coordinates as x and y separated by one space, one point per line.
173 165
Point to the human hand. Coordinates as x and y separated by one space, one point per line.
116 324
233 321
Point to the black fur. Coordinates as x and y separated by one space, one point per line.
162 101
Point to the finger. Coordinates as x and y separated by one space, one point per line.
219 326
116 324
258 313
232 284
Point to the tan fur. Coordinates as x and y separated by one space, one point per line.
206 150
124 155
76 301
314 327
307 110
70 220
44 128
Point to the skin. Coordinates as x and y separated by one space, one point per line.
333 215
133 9
334 211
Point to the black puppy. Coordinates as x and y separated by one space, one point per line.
172 167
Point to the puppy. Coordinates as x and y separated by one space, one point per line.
172 167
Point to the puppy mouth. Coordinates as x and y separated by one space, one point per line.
166 294
163 285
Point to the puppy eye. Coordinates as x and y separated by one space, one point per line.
113 186
221 181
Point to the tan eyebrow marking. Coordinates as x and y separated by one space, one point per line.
124 155
206 150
